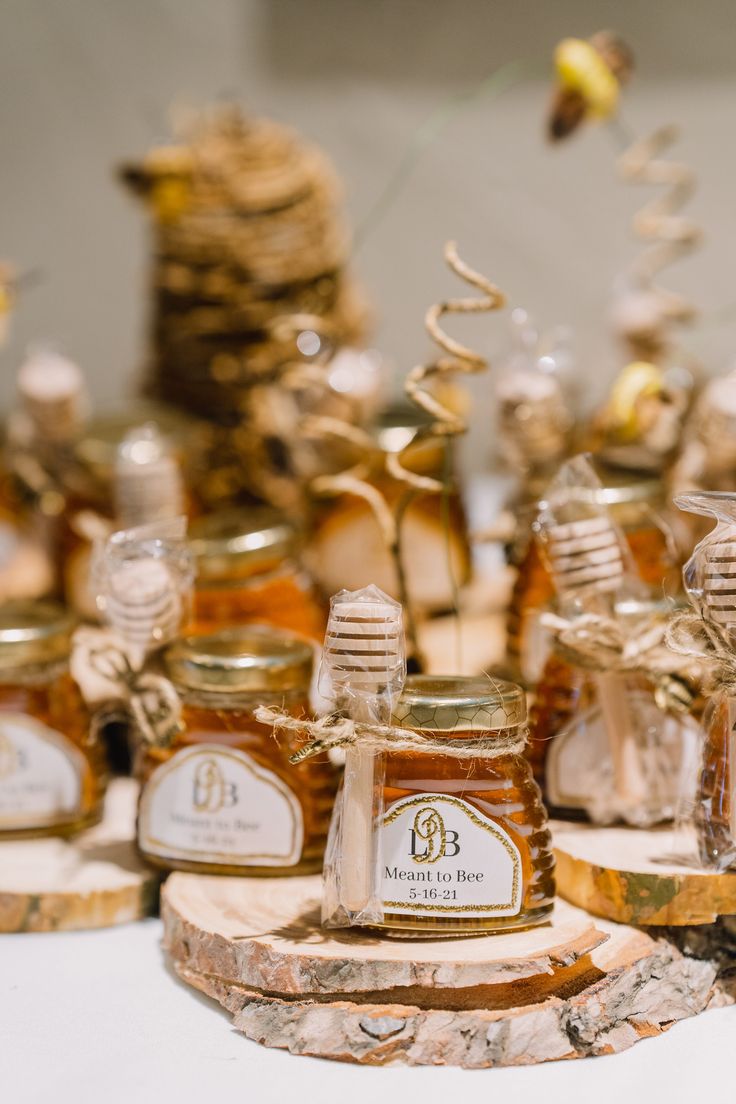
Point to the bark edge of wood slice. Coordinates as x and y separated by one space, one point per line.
623 988
93 880
641 877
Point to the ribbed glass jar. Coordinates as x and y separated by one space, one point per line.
637 506
248 571
464 845
52 765
223 798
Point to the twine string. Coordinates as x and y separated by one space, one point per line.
337 731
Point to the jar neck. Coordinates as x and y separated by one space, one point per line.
34 674
486 743
220 701
242 581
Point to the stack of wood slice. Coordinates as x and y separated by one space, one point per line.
572 988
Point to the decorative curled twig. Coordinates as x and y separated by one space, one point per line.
458 358
672 234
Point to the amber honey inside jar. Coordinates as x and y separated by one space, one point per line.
248 571
223 798
464 845
52 766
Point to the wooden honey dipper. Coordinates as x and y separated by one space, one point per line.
364 654
148 483
587 561
53 393
585 556
719 584
719 600
143 604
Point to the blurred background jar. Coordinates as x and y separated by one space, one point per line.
249 570
52 765
223 798
639 506
347 549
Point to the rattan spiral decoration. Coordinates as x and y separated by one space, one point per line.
458 358
671 234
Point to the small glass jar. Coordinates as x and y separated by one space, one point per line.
347 549
248 571
52 765
637 505
223 798
464 845
570 751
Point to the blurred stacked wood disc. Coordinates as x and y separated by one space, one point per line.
247 233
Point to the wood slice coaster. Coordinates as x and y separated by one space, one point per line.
565 990
93 880
639 877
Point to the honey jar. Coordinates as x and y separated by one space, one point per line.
463 842
248 571
347 548
52 766
637 506
223 798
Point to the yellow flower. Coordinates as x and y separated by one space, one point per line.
581 68
638 381
170 198
590 73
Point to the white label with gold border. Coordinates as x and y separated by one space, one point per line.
215 804
40 775
440 855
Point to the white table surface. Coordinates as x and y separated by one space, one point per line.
97 1016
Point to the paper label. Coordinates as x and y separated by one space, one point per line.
579 769
577 756
215 804
40 774
441 856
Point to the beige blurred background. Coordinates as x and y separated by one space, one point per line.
87 83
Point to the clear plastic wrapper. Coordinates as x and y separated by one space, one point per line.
710 581
620 747
363 670
143 579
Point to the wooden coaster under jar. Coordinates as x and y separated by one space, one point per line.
223 798
52 766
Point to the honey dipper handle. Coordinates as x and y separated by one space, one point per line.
613 697
356 869
731 752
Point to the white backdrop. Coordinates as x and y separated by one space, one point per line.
87 83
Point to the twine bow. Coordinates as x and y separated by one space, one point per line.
607 644
689 635
336 731
151 698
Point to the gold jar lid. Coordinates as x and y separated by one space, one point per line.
248 660
238 543
442 703
34 633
